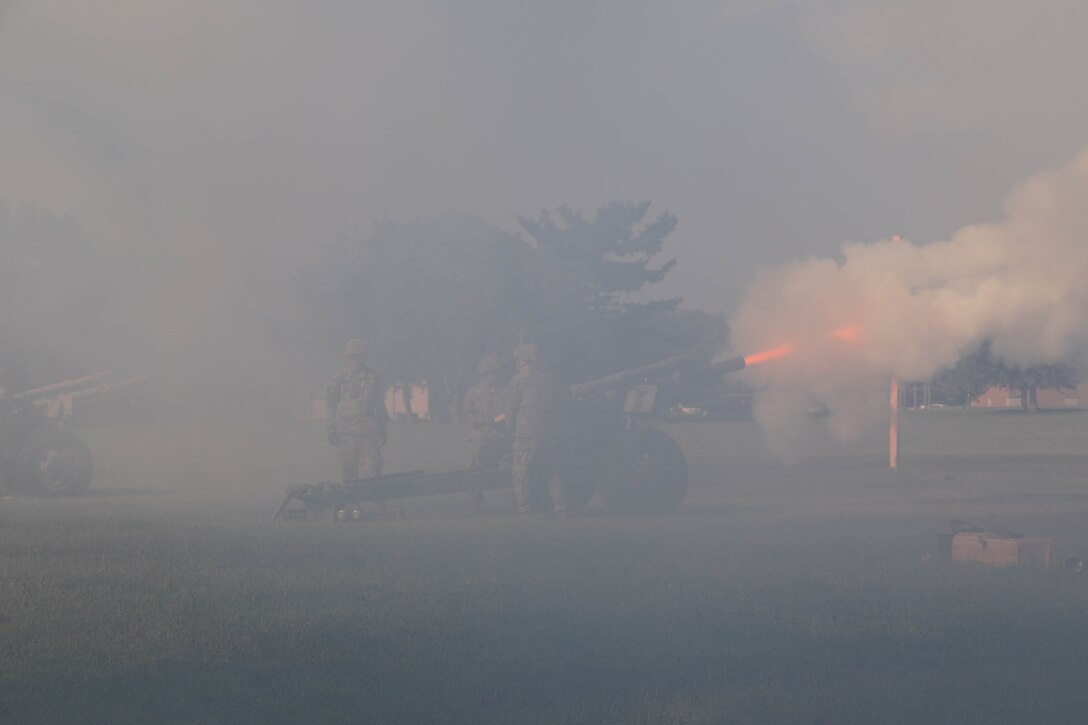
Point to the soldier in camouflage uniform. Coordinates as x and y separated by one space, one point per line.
536 408
483 404
355 401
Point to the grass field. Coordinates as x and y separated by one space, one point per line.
791 588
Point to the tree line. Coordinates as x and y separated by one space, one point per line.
431 295
435 294
975 373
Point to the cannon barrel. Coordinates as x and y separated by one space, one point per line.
729 365
107 389
624 377
654 370
60 405
63 386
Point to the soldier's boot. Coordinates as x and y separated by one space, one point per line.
521 497
557 491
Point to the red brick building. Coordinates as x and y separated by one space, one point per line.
999 397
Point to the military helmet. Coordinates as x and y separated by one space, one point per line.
489 364
355 348
526 353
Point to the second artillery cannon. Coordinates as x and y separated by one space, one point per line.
39 455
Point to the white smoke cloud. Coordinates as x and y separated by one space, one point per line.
900 308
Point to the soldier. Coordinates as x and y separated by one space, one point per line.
536 409
355 401
483 404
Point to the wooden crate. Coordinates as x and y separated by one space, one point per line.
989 549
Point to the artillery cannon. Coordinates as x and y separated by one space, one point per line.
38 455
613 451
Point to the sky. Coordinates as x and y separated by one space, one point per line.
224 135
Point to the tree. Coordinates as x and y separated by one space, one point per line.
431 297
435 294
594 262
969 377
1059 376
583 274
973 374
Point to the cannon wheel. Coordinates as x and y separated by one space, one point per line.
581 472
643 473
54 463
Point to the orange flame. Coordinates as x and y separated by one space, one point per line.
772 354
850 333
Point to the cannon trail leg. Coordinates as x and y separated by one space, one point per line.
286 500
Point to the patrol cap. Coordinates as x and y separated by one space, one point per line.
526 353
355 348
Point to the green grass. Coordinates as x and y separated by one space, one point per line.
787 590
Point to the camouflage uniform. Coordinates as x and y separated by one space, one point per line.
355 401
537 408
483 402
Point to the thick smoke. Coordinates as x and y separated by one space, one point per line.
900 308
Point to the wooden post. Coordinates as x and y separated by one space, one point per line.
893 415
893 425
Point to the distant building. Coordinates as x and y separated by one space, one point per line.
408 402
1001 397
402 402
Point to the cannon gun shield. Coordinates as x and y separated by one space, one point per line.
634 467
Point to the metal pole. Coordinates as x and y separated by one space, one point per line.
893 425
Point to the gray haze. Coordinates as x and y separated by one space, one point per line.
213 139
